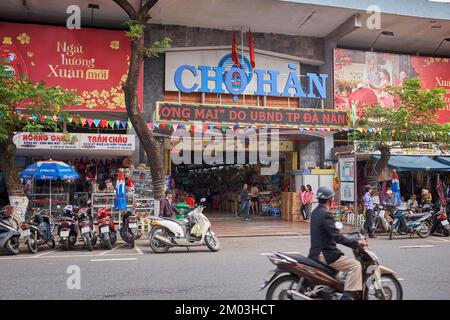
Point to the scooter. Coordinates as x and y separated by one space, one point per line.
193 231
128 232
37 231
297 277
440 223
9 234
67 227
106 227
86 226
380 223
408 222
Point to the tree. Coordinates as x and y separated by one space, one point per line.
137 23
411 122
30 107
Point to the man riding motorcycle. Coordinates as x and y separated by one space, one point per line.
325 235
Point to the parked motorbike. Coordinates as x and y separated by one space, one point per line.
36 231
86 226
128 232
193 231
380 223
297 277
408 222
106 227
440 222
67 227
9 233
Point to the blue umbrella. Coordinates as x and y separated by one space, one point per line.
49 170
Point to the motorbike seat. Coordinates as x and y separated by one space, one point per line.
180 222
304 260
416 216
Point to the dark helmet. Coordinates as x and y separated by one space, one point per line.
168 192
324 193
368 187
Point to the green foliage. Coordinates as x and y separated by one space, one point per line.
135 29
154 51
30 106
413 121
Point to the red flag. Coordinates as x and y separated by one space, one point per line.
251 49
234 51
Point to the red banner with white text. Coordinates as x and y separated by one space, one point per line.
94 62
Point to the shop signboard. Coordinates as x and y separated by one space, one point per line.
75 141
231 115
362 77
419 149
93 62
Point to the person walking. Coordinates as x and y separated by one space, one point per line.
368 209
245 202
303 202
309 196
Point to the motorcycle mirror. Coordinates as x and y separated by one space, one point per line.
202 200
339 225
58 207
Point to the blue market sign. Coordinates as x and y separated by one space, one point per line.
228 78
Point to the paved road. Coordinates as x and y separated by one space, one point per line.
233 273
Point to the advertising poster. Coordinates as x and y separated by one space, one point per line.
93 62
347 169
347 191
362 78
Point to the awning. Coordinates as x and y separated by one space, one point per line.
444 160
415 163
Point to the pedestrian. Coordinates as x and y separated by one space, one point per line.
303 202
166 208
309 196
245 202
368 209
254 192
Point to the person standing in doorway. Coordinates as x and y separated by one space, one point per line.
245 202
303 201
254 192
166 207
309 195
368 209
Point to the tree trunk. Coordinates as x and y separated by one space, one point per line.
17 196
148 141
379 166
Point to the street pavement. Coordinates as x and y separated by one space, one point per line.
235 272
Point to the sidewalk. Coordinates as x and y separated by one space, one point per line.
228 226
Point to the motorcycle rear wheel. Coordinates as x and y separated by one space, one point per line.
290 280
132 241
107 244
12 245
65 244
88 243
32 244
424 230
156 245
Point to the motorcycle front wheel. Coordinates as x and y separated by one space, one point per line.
32 244
278 290
391 286
393 231
212 242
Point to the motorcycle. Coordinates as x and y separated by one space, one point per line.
128 232
193 231
67 227
37 231
86 226
106 227
380 223
9 233
440 223
297 277
408 222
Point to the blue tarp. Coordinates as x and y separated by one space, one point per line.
444 160
415 163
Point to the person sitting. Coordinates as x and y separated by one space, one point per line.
412 203
426 197
389 205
